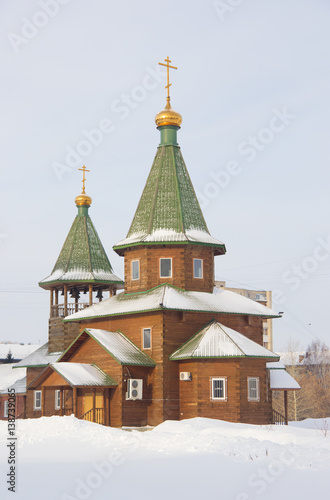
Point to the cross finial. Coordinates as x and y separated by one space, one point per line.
84 170
167 65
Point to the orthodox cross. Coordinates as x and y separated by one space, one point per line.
83 169
167 65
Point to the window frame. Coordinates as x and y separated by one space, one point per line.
5 408
132 274
224 381
160 267
143 345
57 400
35 407
202 266
252 398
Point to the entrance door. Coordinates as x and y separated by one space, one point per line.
88 407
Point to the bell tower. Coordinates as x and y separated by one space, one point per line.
82 275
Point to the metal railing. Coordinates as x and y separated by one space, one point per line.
57 311
93 415
278 418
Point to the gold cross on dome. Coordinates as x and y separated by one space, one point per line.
167 65
84 170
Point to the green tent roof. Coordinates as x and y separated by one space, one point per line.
82 258
168 211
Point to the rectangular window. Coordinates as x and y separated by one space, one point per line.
166 268
37 400
198 268
253 389
147 338
218 389
135 270
5 409
57 399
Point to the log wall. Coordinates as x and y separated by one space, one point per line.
182 267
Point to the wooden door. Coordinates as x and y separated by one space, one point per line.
88 405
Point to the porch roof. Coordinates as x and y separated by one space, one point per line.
80 374
76 375
280 379
219 341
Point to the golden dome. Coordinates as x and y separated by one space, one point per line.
83 200
168 117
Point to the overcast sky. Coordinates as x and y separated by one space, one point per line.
253 89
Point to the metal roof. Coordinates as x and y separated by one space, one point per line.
10 378
40 357
80 374
280 379
166 297
122 349
169 211
219 341
82 258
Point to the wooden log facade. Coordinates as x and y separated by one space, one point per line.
168 224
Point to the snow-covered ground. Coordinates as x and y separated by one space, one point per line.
64 458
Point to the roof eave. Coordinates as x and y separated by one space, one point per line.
196 358
219 249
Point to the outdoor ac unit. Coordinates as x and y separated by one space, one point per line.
134 389
185 376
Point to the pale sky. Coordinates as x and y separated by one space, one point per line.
253 89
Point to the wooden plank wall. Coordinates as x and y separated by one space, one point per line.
132 326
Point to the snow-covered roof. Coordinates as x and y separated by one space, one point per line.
276 365
281 380
18 351
82 258
168 210
118 346
170 236
80 374
166 297
10 377
219 341
40 357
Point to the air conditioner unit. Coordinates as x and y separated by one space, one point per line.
134 389
185 376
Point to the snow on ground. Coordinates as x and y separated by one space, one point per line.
65 458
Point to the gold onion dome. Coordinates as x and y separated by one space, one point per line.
83 200
168 117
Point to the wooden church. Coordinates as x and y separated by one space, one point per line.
166 346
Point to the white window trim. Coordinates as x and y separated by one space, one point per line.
136 260
198 277
35 399
57 400
160 267
213 398
5 409
258 389
143 347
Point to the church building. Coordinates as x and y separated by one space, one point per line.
161 344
